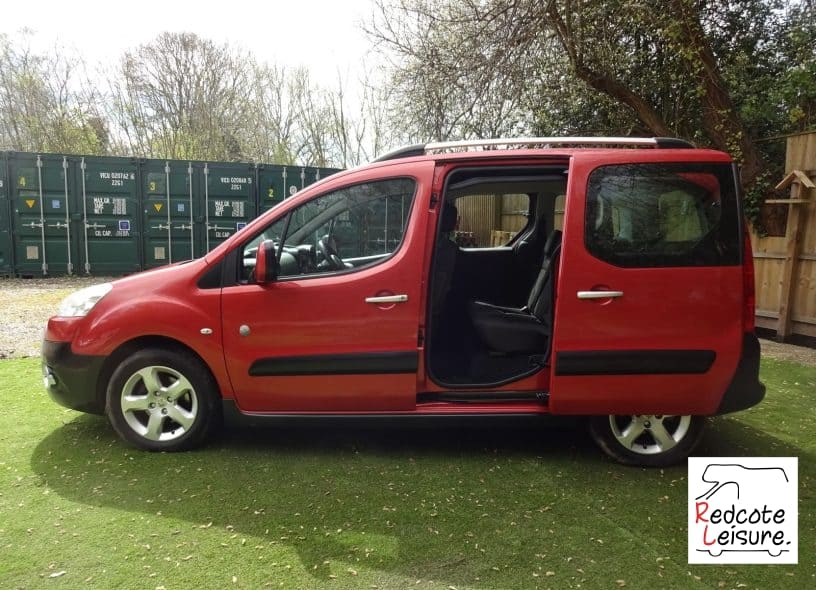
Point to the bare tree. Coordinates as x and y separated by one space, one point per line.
181 96
454 74
358 121
184 97
47 102
341 125
270 136
485 67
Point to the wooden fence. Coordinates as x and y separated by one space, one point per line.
785 260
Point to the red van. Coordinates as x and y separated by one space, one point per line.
605 277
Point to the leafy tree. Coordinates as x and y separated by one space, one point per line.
798 81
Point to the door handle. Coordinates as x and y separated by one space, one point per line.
387 299
599 294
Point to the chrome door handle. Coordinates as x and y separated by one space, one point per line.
599 294
387 299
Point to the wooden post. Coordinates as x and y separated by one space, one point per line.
799 182
790 264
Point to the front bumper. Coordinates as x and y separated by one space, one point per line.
72 379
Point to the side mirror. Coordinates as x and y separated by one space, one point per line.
266 263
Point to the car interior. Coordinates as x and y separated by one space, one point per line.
493 274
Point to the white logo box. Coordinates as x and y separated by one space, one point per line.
743 510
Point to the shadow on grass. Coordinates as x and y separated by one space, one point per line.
446 502
331 489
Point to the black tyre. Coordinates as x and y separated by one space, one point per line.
650 441
163 400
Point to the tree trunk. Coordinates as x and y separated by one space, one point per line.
721 121
620 92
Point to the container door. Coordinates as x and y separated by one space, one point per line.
6 258
272 187
169 205
649 296
108 192
229 202
43 206
337 331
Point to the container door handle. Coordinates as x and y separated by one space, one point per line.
599 294
387 299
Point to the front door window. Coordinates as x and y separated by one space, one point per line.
353 228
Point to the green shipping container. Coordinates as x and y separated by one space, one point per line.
43 221
276 183
113 216
312 175
108 191
229 202
271 186
6 250
170 204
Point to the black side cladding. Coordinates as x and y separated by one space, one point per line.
370 363
633 362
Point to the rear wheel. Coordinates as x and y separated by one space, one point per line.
162 400
648 440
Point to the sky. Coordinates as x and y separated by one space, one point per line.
323 35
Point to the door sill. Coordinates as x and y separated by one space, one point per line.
483 397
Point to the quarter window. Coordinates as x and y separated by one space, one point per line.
658 215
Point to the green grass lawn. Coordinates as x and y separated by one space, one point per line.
370 506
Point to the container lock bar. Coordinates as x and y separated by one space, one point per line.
167 190
85 217
207 206
67 215
42 215
192 237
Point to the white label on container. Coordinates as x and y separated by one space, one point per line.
158 253
32 252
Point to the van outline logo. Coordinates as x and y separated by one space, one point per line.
743 510
719 484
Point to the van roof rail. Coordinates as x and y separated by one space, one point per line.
533 142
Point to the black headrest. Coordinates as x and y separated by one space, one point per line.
449 217
552 243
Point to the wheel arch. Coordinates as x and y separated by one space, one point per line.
126 349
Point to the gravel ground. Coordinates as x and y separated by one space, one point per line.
26 306
28 303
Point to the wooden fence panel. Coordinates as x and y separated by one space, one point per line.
785 267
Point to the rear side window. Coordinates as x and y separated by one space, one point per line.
659 215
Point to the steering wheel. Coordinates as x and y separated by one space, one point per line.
328 249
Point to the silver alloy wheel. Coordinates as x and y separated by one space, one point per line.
159 403
649 435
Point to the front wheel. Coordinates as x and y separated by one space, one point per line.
162 400
648 440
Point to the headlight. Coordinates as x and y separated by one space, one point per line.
80 303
